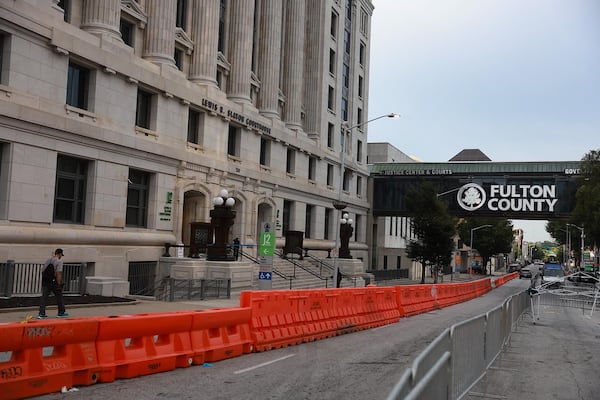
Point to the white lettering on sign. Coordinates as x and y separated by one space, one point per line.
531 198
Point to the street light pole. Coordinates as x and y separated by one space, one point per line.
471 245
582 245
339 205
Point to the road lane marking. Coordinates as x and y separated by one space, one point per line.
241 371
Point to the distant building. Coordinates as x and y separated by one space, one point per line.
389 236
470 155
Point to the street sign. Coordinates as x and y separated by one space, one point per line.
265 276
266 250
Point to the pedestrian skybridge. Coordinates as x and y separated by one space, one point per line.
512 190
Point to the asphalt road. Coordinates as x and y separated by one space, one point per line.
359 365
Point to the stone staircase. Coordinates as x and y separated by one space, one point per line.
301 279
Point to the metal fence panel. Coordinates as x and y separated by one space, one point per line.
495 333
142 276
468 354
26 279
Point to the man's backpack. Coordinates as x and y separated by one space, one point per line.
48 276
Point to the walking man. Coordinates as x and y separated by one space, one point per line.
52 282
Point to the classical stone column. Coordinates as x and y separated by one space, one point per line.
102 18
240 50
270 57
159 46
205 35
294 62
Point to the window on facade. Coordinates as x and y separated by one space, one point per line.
3 57
358 185
357 227
362 54
346 75
347 178
347 41
137 198
390 221
233 140
364 22
308 221
385 262
330 134
344 108
287 210
66 6
331 98
329 175
332 61
398 262
359 117
69 197
222 21
334 24
195 124
265 152
359 150
143 111
178 56
78 86
127 30
361 84
349 10
181 15
290 163
312 168
327 223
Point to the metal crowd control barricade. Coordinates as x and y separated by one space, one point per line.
571 294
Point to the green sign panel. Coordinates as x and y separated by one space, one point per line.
266 246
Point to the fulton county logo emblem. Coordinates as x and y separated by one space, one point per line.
471 197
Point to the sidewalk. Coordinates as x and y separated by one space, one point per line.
150 306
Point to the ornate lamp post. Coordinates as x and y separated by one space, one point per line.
222 217
346 231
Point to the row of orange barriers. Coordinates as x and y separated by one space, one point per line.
501 280
44 356
39 357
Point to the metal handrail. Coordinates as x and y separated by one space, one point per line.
299 265
275 271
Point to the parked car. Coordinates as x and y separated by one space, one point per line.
514 267
524 272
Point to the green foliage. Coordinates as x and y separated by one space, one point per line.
433 227
497 239
587 208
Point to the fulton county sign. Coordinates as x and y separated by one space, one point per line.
517 198
529 190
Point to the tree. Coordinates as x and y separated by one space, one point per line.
433 228
587 206
496 239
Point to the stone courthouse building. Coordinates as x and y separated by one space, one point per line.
121 120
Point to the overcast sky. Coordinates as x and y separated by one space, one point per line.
517 79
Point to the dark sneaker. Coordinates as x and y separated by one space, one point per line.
42 316
63 315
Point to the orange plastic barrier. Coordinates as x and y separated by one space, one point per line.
218 334
447 295
274 321
316 314
416 299
47 355
142 344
